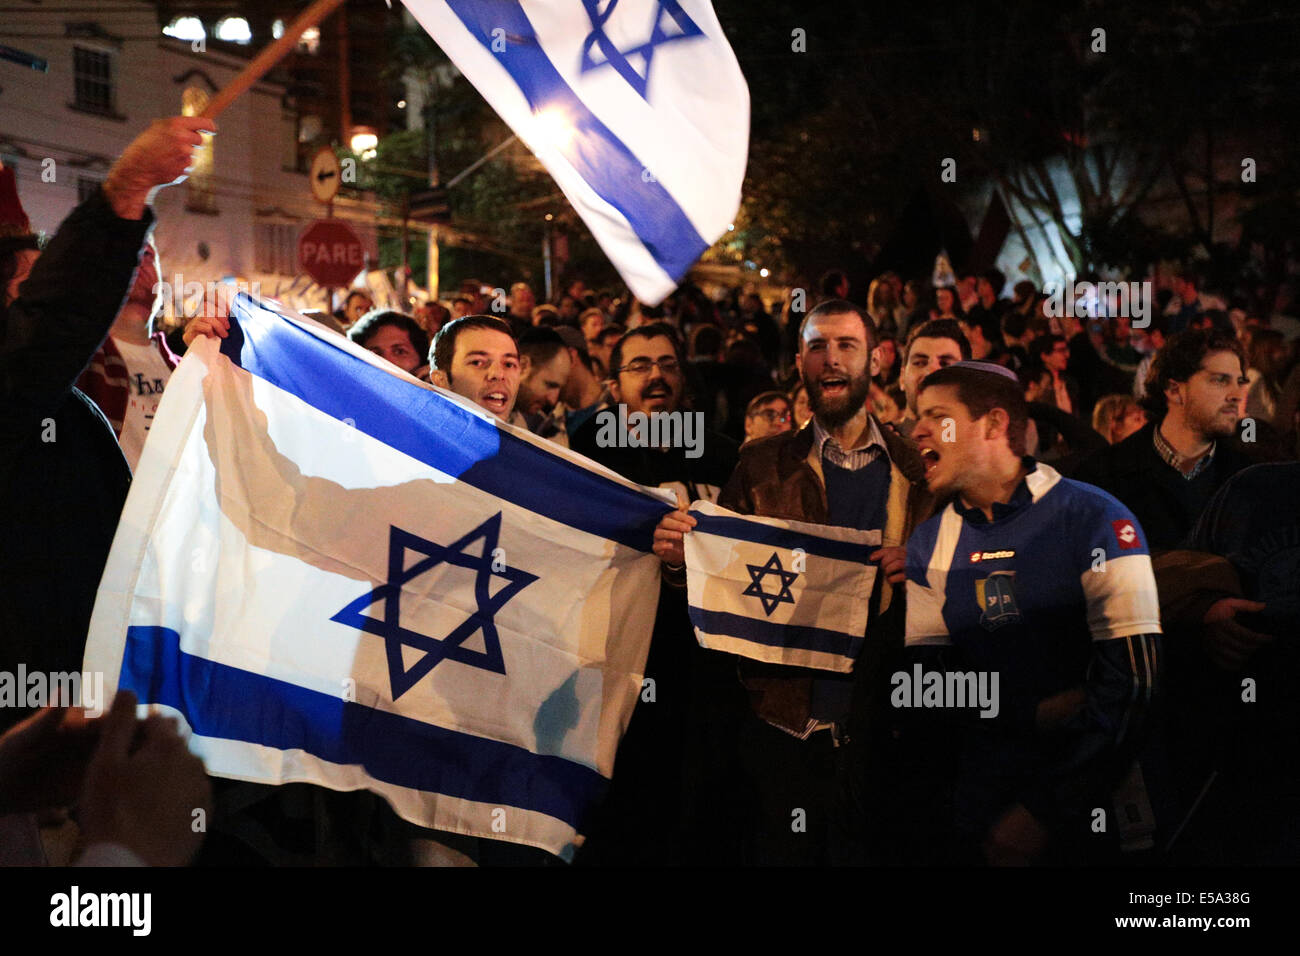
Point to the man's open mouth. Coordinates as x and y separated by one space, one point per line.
657 391
496 401
930 457
834 385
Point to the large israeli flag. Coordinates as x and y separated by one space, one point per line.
636 107
336 574
784 592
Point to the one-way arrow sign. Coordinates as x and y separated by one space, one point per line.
325 175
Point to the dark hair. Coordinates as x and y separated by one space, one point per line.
896 395
374 320
1044 344
1159 322
832 281
957 310
444 343
987 324
938 329
981 392
348 297
540 345
995 278
762 398
706 340
1032 372
1179 359
652 331
610 331
1014 324
840 307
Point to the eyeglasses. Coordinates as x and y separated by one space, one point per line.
642 366
772 415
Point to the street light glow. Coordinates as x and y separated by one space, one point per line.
551 127
364 140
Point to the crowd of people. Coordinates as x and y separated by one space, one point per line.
1098 507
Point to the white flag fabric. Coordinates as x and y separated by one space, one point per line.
784 592
637 108
336 574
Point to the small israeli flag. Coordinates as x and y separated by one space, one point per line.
784 592
638 109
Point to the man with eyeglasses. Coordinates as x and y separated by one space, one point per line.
769 413
1053 351
645 818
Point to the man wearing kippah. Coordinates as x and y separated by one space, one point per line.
1039 588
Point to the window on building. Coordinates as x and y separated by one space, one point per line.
275 248
185 28
309 42
92 78
234 30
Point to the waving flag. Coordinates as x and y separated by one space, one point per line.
636 107
336 574
784 592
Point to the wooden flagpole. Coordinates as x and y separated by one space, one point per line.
262 64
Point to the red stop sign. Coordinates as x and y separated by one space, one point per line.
330 252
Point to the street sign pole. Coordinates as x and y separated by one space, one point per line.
404 286
329 290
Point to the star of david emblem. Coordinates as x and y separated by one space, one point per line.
671 23
451 647
758 572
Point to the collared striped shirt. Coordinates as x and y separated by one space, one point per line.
1170 456
829 449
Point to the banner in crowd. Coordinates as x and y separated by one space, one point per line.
784 592
336 574
637 108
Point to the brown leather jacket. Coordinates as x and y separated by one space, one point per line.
781 477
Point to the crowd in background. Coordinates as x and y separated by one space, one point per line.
1083 371
1185 410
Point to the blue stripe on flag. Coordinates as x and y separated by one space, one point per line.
795 636
431 429
232 704
598 156
745 530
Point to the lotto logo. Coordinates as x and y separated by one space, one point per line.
1126 534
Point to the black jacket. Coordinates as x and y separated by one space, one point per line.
1165 503
63 478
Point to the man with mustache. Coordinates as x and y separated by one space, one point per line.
648 816
811 740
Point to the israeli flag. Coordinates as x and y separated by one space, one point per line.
784 592
334 573
637 108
